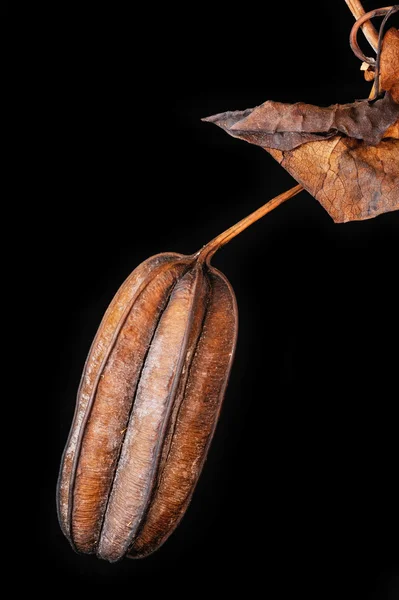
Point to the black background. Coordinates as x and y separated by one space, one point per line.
299 493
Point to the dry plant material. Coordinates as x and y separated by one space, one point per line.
156 374
149 401
351 181
355 6
346 156
287 126
147 407
390 63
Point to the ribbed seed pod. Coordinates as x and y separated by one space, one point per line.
147 407
149 401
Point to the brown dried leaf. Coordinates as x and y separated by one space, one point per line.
352 177
389 66
287 126
392 131
350 180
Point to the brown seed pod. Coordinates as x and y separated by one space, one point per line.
148 402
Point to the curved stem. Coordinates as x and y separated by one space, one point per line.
379 12
221 240
368 28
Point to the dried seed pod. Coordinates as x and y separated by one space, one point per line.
148 403
147 407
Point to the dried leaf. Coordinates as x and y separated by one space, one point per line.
392 131
287 126
389 67
346 156
351 181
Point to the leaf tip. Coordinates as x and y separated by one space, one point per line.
211 119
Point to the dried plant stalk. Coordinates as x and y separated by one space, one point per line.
368 28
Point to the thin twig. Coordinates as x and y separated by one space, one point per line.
209 250
378 12
368 28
